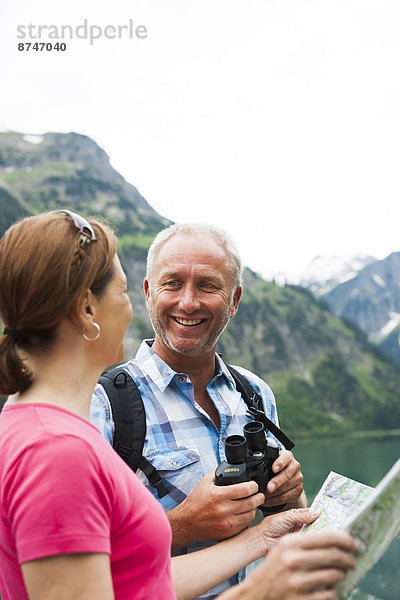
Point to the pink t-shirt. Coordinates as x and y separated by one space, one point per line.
63 489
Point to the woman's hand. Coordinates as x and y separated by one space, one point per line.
275 526
304 567
299 567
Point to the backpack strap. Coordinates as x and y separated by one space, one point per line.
255 405
130 424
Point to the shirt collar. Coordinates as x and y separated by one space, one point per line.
154 366
162 374
222 369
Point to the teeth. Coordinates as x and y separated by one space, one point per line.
188 322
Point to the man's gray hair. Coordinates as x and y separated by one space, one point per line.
221 237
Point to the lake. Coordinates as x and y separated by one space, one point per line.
367 461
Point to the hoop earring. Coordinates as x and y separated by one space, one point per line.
97 327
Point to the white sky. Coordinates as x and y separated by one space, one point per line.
278 120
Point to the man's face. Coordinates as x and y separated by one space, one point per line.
189 297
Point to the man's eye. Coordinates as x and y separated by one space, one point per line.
172 283
208 286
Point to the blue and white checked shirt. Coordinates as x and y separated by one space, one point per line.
182 442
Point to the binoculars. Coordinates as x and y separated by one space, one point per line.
248 457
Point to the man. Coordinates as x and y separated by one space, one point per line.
193 288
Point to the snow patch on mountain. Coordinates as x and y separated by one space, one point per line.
378 280
325 273
33 139
387 329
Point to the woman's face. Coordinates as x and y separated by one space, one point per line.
113 314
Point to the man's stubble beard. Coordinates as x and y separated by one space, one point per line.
207 345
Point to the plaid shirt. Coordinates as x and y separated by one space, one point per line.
182 442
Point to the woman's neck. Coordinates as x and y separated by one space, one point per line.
62 379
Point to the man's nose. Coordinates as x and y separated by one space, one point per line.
189 301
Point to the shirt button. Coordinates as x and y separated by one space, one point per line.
181 378
174 463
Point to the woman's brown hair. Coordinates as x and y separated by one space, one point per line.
43 273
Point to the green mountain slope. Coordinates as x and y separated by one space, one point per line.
325 374
327 378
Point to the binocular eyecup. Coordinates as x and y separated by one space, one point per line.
236 446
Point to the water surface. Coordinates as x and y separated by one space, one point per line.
367 461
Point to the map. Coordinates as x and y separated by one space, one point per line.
337 500
372 516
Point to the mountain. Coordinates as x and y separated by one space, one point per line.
43 172
326 272
326 376
371 299
57 170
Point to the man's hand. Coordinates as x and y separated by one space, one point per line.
287 485
212 512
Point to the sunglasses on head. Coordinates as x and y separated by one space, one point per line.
86 232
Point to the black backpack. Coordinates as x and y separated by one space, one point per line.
130 419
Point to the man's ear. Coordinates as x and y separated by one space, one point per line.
146 287
235 302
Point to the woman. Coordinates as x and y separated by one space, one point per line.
75 521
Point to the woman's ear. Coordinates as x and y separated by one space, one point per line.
85 308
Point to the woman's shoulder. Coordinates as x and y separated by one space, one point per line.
39 435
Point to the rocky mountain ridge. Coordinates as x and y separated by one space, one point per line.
44 172
371 300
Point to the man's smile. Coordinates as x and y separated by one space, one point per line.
190 322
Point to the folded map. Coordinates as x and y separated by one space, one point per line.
371 516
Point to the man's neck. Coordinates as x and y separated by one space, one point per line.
199 368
